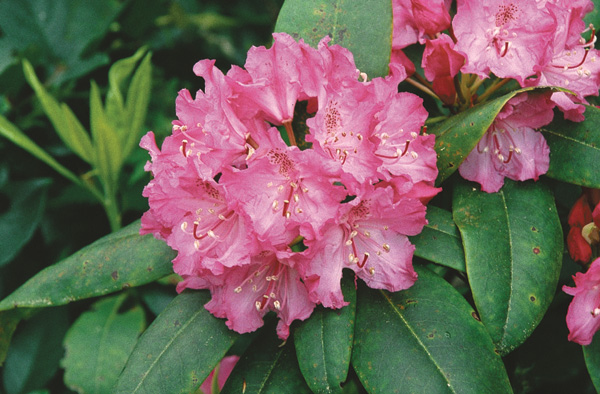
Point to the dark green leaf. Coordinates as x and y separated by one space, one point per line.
17 225
426 339
179 349
513 249
575 149
591 354
324 343
117 261
440 240
349 23
8 324
457 136
98 344
34 355
269 365
16 136
60 30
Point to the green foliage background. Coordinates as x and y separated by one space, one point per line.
68 48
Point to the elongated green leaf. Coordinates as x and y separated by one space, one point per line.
575 149
138 97
10 131
117 261
426 339
349 23
179 349
117 75
591 354
440 240
324 343
513 249
458 135
68 128
107 145
17 225
34 355
98 345
269 365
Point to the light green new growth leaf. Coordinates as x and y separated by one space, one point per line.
106 141
68 128
138 97
98 345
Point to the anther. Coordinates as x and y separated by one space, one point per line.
238 290
386 247
277 304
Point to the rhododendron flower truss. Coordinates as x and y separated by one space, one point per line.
266 226
583 316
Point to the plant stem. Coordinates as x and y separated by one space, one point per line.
290 132
422 87
493 88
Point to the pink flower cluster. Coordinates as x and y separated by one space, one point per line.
267 226
533 42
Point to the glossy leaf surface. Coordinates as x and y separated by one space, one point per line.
179 349
98 345
513 249
324 342
426 339
349 23
120 260
440 240
575 149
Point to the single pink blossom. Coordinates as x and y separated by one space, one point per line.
370 238
415 20
511 147
244 294
582 316
507 38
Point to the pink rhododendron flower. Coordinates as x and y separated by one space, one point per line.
583 315
441 63
507 38
255 220
415 20
511 147
224 370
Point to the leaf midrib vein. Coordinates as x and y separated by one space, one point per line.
414 334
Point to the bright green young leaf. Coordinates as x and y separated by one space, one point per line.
98 345
426 339
11 132
18 224
34 355
513 248
440 240
179 349
118 74
324 343
364 27
575 149
457 136
120 260
107 145
138 98
68 128
591 353
269 365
